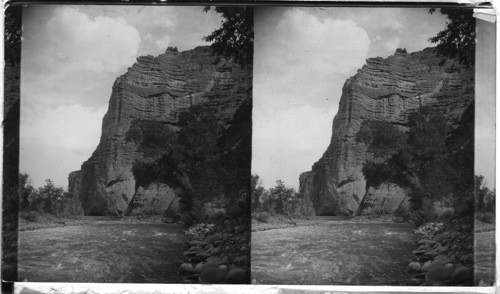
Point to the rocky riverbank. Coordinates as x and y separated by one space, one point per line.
218 253
444 256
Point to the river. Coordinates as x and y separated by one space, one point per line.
121 253
334 252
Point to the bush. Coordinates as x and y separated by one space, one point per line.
262 217
486 217
424 213
32 216
214 212
402 215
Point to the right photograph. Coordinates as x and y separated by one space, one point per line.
373 153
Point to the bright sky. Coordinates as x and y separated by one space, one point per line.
302 58
71 55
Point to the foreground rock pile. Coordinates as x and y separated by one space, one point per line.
218 254
444 256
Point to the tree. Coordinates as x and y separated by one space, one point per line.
190 160
484 197
234 39
48 198
458 39
25 190
280 195
416 160
257 191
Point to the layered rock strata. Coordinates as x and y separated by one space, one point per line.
156 89
384 90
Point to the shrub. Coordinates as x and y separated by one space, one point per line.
213 212
32 216
402 214
486 217
262 217
425 212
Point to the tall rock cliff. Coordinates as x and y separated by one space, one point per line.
384 90
155 89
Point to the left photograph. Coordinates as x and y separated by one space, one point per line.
135 144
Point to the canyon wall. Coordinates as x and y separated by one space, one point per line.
155 89
383 90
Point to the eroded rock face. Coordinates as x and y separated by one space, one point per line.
386 90
157 89
384 199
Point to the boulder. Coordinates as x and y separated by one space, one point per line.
237 276
186 269
423 242
202 255
198 268
240 260
426 266
440 273
214 238
413 267
214 262
462 274
196 243
212 276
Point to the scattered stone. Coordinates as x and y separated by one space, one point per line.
443 249
423 241
413 267
240 260
441 260
189 253
468 258
214 238
439 273
215 261
194 249
231 267
186 269
202 255
426 266
198 243
216 251
237 276
430 254
198 268
212 276
461 274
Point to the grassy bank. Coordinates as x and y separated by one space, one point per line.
278 221
51 221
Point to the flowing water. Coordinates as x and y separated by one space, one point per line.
339 252
122 253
